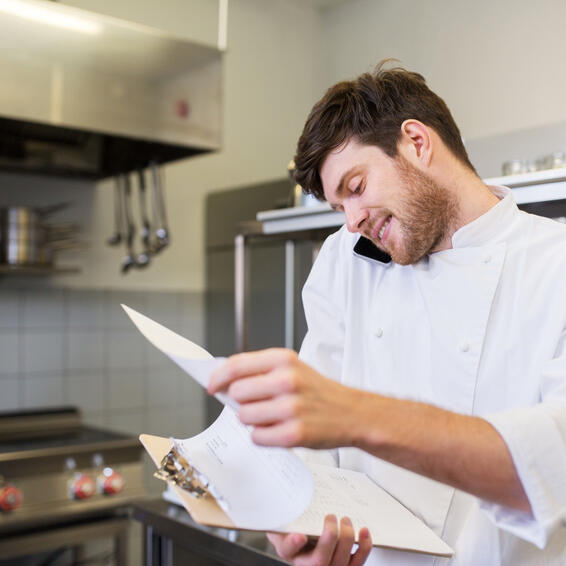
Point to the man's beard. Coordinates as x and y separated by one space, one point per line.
427 212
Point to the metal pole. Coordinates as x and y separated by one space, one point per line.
289 294
240 293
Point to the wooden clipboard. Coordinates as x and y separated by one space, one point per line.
204 510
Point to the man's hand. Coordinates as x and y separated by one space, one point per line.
287 401
333 548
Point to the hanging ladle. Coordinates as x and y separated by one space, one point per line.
145 256
130 258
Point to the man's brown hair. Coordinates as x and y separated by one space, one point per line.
371 109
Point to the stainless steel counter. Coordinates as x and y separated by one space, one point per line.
172 538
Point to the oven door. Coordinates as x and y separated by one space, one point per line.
93 543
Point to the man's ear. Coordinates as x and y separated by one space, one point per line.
416 142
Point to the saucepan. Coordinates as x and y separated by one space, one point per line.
23 234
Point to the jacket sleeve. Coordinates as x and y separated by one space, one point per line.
323 344
536 439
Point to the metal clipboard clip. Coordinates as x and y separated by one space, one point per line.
176 470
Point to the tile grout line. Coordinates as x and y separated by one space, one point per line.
65 345
21 348
106 354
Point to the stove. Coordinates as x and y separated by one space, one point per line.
57 474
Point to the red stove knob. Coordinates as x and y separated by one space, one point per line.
10 498
83 487
113 483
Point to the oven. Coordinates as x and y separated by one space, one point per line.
65 490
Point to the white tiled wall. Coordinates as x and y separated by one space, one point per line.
77 347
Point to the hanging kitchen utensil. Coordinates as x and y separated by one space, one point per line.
130 258
116 238
162 235
145 256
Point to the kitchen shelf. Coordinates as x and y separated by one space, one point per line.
533 178
538 186
299 218
36 270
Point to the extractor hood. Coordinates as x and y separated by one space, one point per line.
90 96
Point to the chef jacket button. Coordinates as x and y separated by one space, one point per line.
379 332
464 346
487 259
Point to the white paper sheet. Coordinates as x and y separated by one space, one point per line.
347 493
193 359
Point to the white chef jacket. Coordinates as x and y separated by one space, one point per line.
479 329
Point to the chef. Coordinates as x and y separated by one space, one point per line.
435 358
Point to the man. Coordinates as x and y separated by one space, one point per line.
435 359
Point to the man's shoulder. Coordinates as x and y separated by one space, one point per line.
541 241
542 231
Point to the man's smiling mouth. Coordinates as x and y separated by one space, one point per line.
378 234
383 227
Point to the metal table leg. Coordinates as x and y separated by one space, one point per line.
290 294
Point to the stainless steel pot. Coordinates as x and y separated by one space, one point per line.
23 236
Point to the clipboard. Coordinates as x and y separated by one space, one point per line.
203 507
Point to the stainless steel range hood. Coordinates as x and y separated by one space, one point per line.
88 95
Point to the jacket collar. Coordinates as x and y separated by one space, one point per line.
491 226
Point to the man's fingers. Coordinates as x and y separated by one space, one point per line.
287 546
324 549
333 547
248 364
263 386
364 548
286 434
272 410
343 548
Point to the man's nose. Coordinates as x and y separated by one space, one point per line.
355 218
